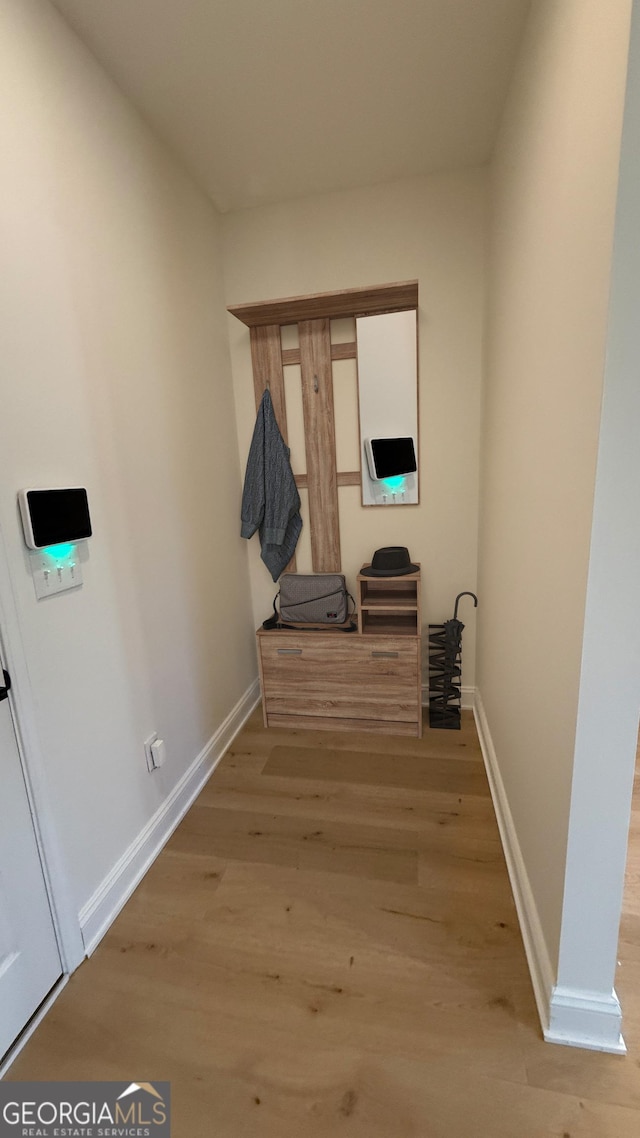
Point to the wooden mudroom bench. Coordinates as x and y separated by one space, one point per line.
369 680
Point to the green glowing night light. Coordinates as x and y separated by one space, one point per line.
394 483
62 553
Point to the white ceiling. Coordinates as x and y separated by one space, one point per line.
272 99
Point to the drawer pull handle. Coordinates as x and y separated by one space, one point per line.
289 651
391 655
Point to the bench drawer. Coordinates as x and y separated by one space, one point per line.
341 676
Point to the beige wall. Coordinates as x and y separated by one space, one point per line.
553 196
431 229
115 375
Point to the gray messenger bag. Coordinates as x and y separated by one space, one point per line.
311 598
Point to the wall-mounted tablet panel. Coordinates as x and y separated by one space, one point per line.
390 458
388 402
52 517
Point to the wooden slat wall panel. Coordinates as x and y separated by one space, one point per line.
346 302
313 314
338 352
320 442
344 351
345 478
266 357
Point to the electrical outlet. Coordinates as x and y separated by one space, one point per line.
151 766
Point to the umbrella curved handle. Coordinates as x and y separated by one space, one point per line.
475 602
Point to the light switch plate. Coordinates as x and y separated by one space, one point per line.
50 577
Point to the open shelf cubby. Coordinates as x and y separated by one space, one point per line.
389 605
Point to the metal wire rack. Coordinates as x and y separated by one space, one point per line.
445 670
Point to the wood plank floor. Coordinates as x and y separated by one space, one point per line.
328 946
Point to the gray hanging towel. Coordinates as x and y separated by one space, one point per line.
270 499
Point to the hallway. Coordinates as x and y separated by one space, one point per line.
328 945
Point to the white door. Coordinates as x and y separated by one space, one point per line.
29 956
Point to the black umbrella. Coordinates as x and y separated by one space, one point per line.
445 669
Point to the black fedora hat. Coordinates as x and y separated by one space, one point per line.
391 561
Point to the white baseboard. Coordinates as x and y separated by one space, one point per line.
586 1019
103 907
468 697
535 946
571 1017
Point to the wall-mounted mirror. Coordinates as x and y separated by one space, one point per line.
388 405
